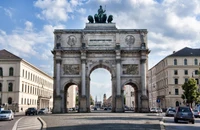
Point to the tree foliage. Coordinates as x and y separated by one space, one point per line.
190 93
91 100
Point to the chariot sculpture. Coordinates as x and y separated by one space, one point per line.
101 17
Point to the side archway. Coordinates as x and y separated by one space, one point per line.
134 95
70 97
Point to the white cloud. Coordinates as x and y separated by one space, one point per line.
56 10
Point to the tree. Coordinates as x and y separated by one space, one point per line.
91 100
190 93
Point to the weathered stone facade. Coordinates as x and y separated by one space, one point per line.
123 52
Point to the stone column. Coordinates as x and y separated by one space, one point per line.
118 78
58 62
143 76
83 78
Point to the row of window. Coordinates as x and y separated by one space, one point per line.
10 87
186 79
34 90
11 71
28 101
186 72
186 62
35 78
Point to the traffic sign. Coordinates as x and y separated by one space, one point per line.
158 100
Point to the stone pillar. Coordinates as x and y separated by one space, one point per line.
58 62
144 99
143 76
83 98
118 78
83 78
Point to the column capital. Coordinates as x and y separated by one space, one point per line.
118 60
58 60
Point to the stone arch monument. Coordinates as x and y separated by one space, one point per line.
123 52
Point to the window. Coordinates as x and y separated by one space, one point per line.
23 73
0 87
175 81
9 100
186 72
175 72
197 81
10 87
186 79
176 91
1 71
195 62
11 71
175 61
196 72
177 103
22 87
21 100
185 61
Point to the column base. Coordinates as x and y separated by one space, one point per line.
83 107
144 104
119 104
57 105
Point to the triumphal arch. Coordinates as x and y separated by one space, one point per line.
123 52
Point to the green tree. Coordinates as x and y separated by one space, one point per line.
91 100
76 100
190 93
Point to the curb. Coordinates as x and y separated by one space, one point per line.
44 125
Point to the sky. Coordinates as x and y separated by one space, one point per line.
26 28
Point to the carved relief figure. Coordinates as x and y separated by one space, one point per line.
71 40
70 69
130 39
130 69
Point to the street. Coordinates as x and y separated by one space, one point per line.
181 125
98 120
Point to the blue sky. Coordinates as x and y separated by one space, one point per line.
26 27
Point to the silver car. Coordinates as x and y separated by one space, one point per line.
6 115
196 113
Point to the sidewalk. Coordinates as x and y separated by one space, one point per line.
28 122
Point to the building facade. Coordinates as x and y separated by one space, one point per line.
166 78
22 85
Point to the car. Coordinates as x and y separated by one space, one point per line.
170 112
158 110
95 108
31 111
6 115
43 111
196 113
153 110
184 114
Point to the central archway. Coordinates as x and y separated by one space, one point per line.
101 90
112 74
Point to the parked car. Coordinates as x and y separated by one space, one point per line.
31 111
43 111
153 110
170 112
6 115
158 110
185 114
196 113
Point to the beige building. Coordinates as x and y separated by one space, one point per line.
71 96
129 96
22 85
166 78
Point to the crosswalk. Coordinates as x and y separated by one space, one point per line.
27 123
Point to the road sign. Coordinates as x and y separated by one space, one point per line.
158 100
